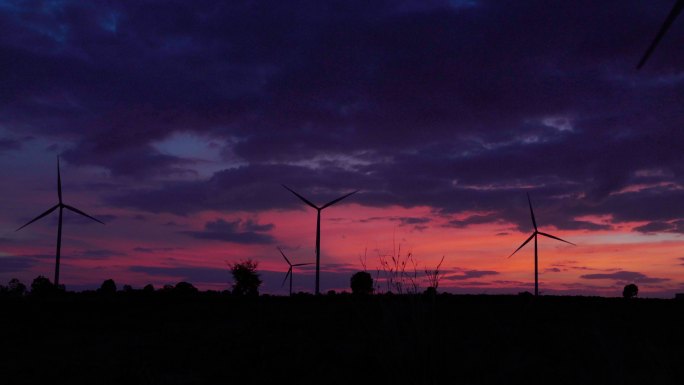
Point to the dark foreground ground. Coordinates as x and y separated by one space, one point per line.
215 339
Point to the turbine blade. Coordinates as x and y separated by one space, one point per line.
59 182
286 275
338 199
40 216
554 237
534 221
676 10
77 211
301 197
302 264
283 254
524 243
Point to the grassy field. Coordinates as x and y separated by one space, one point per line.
210 338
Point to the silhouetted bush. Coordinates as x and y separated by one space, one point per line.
361 283
430 292
184 288
108 287
127 288
41 286
246 281
16 288
148 288
630 291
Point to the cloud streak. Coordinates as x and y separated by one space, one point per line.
621 277
237 231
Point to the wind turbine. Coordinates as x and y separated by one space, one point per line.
534 235
318 229
676 10
61 206
290 273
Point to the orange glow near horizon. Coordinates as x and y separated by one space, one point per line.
347 232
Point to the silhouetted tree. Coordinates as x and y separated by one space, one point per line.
16 288
361 283
185 288
630 291
246 280
430 292
108 287
42 286
148 288
127 288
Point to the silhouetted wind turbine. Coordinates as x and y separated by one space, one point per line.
290 273
676 10
318 228
534 235
61 206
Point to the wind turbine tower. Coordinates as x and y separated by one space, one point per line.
534 235
61 206
318 228
290 273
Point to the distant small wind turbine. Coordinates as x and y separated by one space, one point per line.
318 229
290 273
61 206
676 10
534 235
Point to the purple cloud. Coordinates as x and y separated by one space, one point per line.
469 274
237 231
16 264
621 277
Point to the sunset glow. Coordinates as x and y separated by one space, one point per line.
178 132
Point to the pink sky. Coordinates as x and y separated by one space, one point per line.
92 252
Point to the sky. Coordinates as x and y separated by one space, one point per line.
176 123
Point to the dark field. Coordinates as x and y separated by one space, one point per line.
206 338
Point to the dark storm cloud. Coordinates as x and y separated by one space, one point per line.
237 231
621 277
255 187
138 161
459 106
676 226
